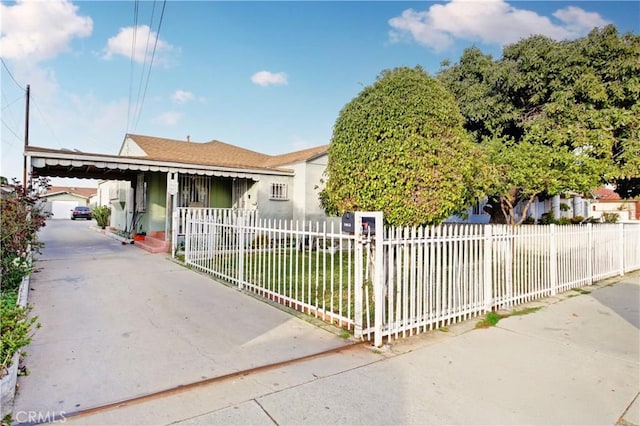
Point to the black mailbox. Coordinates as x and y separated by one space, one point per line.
369 225
348 222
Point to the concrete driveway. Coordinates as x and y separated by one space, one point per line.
118 322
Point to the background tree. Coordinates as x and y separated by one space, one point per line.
400 147
578 98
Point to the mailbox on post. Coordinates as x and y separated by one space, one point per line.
369 225
349 224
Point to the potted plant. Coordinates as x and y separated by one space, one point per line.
140 235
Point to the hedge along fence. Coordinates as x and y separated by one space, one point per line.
11 360
21 219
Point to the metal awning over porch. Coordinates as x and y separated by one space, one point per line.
74 164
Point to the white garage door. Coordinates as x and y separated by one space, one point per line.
62 209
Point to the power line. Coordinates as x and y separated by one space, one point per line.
8 104
46 123
12 102
133 53
11 75
10 129
9 114
144 62
153 54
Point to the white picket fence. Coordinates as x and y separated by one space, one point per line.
205 214
305 266
429 277
436 276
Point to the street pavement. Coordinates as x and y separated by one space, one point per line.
574 361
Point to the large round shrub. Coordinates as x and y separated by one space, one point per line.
400 147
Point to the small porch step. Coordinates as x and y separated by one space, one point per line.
153 244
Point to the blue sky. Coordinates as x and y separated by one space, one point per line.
266 76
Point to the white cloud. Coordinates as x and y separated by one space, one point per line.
168 118
40 30
266 78
182 96
101 123
490 22
145 40
578 21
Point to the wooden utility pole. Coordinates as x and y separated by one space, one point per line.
26 139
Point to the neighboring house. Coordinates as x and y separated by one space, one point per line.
6 189
60 200
609 201
568 205
152 177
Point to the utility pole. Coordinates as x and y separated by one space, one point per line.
26 139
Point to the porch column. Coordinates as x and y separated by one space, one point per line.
578 206
555 206
170 203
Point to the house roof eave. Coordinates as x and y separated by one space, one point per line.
41 158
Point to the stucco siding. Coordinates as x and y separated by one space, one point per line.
307 183
130 148
274 209
313 185
297 196
118 196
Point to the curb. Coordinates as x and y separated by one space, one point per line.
111 235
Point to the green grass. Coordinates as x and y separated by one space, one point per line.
524 311
581 291
312 277
492 318
345 334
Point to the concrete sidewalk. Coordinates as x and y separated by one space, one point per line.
118 323
575 361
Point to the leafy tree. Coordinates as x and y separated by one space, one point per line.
400 147
526 170
628 188
575 101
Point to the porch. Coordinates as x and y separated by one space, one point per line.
144 213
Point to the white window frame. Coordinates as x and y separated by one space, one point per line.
279 191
